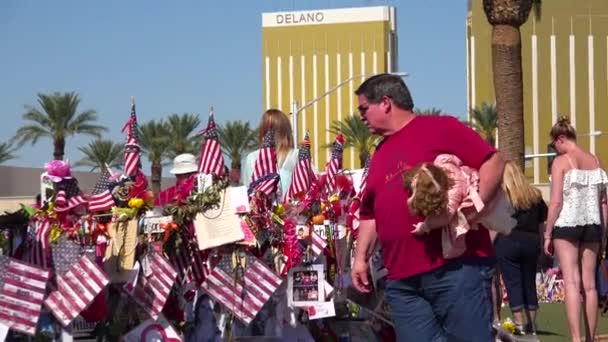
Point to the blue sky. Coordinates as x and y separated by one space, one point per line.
183 56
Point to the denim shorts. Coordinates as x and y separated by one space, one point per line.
451 303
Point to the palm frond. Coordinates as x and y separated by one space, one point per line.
31 133
100 153
356 134
58 118
484 120
181 128
155 141
428 111
6 152
237 139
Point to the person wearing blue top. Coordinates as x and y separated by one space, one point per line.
287 154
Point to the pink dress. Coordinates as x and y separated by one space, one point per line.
464 193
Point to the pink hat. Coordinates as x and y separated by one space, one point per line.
58 170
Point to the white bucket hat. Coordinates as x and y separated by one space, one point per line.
184 163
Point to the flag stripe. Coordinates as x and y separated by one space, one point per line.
88 278
22 285
240 306
244 299
26 302
152 292
28 271
21 295
230 302
76 289
18 323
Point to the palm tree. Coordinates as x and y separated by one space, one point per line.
181 129
99 153
484 120
58 119
156 144
506 17
428 111
236 139
356 135
6 152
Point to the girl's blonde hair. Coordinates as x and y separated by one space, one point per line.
283 138
428 185
520 192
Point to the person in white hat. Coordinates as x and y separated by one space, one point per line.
184 166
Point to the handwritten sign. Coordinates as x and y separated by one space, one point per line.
219 226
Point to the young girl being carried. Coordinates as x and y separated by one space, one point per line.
441 190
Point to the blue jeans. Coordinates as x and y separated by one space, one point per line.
451 303
517 259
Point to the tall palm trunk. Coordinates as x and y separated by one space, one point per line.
508 85
235 171
506 17
363 155
156 175
58 148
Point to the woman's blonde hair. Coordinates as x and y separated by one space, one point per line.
515 184
283 138
428 185
563 127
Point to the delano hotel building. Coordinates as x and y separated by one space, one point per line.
308 53
565 72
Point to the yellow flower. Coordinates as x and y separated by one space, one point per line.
508 325
279 209
323 206
136 203
334 198
55 233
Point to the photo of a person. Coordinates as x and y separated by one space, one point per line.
304 285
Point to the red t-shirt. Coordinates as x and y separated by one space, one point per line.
166 196
421 140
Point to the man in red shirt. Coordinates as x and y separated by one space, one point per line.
184 166
431 298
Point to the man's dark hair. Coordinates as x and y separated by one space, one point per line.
378 86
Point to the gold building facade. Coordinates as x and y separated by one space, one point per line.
307 54
565 72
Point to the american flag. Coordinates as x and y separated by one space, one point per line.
152 292
265 177
21 294
101 198
76 289
353 210
303 176
335 163
189 262
243 297
211 160
65 203
318 244
68 195
65 253
40 252
132 162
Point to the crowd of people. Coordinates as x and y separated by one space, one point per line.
438 296
451 214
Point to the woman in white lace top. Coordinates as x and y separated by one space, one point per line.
576 224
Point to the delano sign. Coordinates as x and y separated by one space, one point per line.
319 17
300 18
